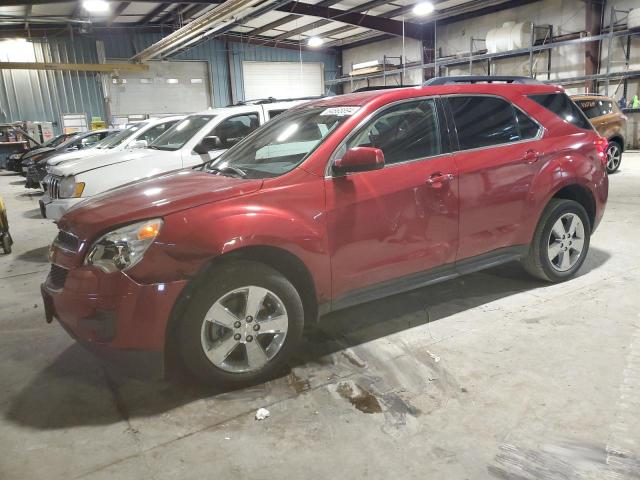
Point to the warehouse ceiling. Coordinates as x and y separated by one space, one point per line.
273 23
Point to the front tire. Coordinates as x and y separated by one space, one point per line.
560 242
241 325
614 156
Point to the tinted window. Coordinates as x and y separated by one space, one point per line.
483 121
404 132
234 129
275 113
527 128
562 106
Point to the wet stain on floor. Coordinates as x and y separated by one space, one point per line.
359 397
298 384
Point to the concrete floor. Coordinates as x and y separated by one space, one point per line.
490 376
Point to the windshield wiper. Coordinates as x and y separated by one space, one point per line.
228 169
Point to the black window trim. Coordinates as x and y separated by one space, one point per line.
454 130
445 134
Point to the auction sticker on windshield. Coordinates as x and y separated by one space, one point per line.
340 111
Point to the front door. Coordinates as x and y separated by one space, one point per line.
390 223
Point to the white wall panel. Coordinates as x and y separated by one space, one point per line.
282 79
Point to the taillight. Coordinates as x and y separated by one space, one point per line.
601 147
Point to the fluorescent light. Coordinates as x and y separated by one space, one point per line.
95 6
423 8
315 41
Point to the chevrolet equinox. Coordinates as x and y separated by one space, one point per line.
331 204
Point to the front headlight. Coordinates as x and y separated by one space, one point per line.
121 249
15 156
70 188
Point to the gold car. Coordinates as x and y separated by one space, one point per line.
609 121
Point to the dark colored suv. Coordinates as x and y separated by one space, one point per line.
331 204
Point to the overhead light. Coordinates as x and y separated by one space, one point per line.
315 41
95 6
423 8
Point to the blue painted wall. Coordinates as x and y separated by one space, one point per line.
44 95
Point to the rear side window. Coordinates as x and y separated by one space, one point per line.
483 121
562 106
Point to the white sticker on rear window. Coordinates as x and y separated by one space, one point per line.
340 111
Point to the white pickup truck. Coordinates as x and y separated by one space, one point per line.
136 135
196 139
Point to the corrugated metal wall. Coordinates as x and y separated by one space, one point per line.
46 95
42 95
118 45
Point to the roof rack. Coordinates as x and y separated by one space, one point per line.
380 87
264 101
480 79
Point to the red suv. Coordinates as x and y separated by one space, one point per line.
331 204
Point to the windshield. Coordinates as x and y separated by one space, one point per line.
181 133
283 143
113 141
596 108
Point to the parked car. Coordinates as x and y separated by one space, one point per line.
135 135
605 115
35 167
195 140
331 204
14 161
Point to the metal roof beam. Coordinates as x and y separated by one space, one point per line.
377 23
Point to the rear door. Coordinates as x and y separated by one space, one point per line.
497 159
400 220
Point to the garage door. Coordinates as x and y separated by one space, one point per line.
282 79
167 87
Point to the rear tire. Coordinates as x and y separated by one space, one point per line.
614 156
560 243
227 336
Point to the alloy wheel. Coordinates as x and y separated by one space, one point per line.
566 242
244 329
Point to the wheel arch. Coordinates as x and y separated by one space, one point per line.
581 194
285 262
619 140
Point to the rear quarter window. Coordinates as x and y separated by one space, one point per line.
561 105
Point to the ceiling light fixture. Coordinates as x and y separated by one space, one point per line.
423 8
315 41
95 6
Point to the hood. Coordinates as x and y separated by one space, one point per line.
37 151
70 156
155 197
79 165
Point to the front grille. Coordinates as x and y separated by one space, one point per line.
57 277
67 241
52 187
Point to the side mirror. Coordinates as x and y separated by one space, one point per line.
359 159
207 144
140 144
75 148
